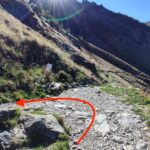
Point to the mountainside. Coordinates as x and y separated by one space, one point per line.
24 54
117 34
148 23
105 29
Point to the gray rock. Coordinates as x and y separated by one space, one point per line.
75 90
113 127
127 120
18 132
55 86
44 125
76 147
117 139
60 106
102 124
81 115
141 145
128 147
74 85
6 113
5 139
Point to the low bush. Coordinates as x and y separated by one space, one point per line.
63 76
7 85
11 122
80 77
60 145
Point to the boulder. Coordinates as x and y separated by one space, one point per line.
128 120
5 114
102 124
141 145
5 139
46 125
55 86
117 139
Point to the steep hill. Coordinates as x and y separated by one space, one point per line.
105 29
24 54
117 34
148 23
116 51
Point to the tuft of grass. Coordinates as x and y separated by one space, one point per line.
139 100
60 120
11 122
60 145
63 76
63 137
38 111
80 77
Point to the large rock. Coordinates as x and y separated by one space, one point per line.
141 145
55 86
5 139
102 124
45 125
5 114
128 120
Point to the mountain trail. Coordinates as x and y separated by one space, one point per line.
116 126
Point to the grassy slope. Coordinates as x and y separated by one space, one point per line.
137 98
23 55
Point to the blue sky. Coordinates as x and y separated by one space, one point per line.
138 9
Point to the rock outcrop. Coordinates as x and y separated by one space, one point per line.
46 126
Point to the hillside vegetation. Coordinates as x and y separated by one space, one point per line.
24 54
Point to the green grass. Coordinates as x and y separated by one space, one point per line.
38 111
40 142
137 98
60 145
60 120
11 122
80 77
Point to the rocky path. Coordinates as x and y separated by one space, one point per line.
116 126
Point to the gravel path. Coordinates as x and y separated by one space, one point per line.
116 127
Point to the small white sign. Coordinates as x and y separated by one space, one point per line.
48 67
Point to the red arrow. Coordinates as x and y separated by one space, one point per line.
22 103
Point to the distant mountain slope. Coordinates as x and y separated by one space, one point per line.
117 34
148 23
112 32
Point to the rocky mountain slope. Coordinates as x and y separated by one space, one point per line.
24 55
148 23
117 34
123 42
